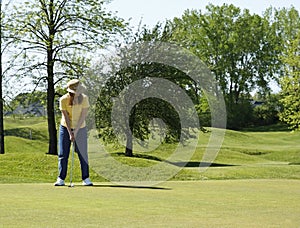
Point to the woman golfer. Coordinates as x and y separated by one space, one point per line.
74 107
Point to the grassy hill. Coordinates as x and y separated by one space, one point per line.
268 153
254 154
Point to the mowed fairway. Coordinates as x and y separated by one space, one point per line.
214 203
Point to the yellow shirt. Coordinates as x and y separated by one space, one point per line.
74 111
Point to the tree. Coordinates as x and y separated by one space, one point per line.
142 113
26 99
1 93
56 37
133 88
267 111
238 47
290 87
288 22
5 65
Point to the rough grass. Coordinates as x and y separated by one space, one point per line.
268 154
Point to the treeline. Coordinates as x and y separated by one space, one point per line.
58 40
245 53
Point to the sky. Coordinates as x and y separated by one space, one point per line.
153 11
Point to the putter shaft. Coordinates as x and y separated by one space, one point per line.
72 164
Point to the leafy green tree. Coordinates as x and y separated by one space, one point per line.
290 85
287 24
145 111
142 113
57 38
238 47
25 99
6 43
267 112
203 111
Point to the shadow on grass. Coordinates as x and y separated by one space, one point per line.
179 164
125 186
294 163
142 156
193 164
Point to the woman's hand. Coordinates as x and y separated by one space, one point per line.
72 136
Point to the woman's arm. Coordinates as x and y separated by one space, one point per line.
68 123
83 115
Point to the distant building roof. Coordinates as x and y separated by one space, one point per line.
257 103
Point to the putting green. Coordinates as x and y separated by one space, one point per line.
229 203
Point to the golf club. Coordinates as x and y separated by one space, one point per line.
72 164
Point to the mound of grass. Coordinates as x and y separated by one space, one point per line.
244 155
27 128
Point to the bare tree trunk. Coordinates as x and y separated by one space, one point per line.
1 113
1 92
51 115
50 89
51 118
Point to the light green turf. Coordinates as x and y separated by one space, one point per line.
231 203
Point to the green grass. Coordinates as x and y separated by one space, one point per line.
239 203
253 182
262 154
